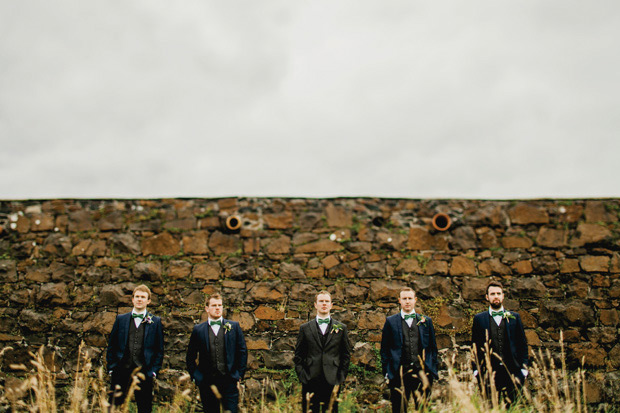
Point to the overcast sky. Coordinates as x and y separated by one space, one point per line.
417 99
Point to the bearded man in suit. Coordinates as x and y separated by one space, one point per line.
136 345
501 347
217 356
322 356
408 354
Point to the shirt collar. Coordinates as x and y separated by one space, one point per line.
221 319
329 317
133 311
403 314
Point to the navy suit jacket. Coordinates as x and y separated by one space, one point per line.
153 342
481 331
392 345
236 350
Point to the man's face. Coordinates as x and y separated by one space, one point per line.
214 309
495 297
323 305
140 300
407 301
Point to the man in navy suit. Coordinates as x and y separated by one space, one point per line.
322 356
136 344
217 356
408 354
499 340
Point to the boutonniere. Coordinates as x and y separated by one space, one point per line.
508 315
421 321
227 326
336 328
148 319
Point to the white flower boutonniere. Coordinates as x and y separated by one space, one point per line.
148 319
421 321
508 315
336 328
227 327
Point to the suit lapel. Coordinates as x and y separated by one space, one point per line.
421 330
205 334
399 327
329 331
315 332
147 326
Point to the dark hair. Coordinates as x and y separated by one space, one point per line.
216 296
495 284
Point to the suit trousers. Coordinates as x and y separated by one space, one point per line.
228 390
319 402
402 391
503 384
122 377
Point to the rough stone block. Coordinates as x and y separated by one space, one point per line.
80 221
54 294
493 267
569 265
593 263
589 234
268 313
551 238
245 320
371 320
161 244
474 288
385 290
338 217
196 243
8 271
207 271
179 269
265 292
609 317
513 241
282 220
280 245
522 267
323 245
42 222
463 266
525 213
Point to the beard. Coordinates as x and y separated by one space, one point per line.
496 306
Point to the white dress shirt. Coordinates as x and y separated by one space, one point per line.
323 327
216 328
137 321
409 321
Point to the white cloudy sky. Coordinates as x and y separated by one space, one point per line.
419 99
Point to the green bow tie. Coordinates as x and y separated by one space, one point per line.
496 313
408 316
215 323
323 321
134 315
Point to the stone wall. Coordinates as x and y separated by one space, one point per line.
68 267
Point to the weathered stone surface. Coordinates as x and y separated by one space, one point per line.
278 360
304 237
551 238
33 321
125 243
256 343
8 272
323 245
303 292
545 265
330 261
589 234
464 238
610 317
54 294
436 267
572 312
522 267
569 265
147 271
614 356
597 212
363 354
207 271
603 335
433 287
385 290
570 213
38 275
528 287
278 221
592 354
290 271
516 242
410 265
463 266
179 269
493 267
57 244
338 217
265 292
268 313
221 243
371 320
524 213
114 296
532 338
80 221
592 263
245 320
420 239
280 245
183 224
161 244
113 221
490 215
90 248
487 237
474 288
196 243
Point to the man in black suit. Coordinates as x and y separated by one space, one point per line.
222 355
499 340
322 356
136 343
408 354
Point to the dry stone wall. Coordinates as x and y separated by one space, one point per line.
67 268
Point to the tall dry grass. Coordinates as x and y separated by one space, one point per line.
550 387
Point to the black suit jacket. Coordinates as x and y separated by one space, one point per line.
236 350
313 359
153 342
481 330
392 345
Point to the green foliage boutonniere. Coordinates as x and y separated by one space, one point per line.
227 327
421 321
508 315
148 319
336 328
